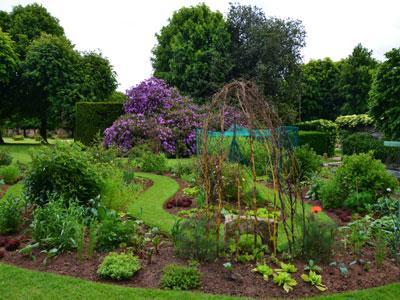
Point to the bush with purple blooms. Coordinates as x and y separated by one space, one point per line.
156 112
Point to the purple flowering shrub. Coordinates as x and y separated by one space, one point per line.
156 112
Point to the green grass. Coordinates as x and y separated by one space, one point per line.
16 283
148 206
387 292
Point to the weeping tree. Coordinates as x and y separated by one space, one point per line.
265 129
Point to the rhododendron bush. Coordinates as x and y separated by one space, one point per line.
158 113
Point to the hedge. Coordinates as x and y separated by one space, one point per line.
92 118
322 125
318 140
354 123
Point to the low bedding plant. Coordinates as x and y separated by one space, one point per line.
119 266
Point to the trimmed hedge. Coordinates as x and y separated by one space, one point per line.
354 123
321 125
319 141
93 118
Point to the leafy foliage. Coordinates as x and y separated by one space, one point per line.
267 50
193 240
10 174
65 169
308 162
384 95
354 122
315 280
119 266
358 174
192 51
356 79
54 225
264 270
11 214
180 278
285 280
320 90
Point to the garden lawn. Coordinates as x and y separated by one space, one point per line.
16 283
148 206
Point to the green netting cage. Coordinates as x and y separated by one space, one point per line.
235 139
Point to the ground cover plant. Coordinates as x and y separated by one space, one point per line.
119 266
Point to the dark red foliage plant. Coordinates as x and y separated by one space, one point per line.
12 245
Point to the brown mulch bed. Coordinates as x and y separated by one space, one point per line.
215 279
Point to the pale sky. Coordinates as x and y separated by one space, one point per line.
124 30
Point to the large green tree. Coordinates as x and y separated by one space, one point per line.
51 71
320 97
268 50
26 23
98 77
8 67
192 51
356 79
384 97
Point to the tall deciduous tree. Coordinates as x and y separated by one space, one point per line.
267 50
27 23
192 51
384 97
52 73
356 79
98 77
320 97
8 67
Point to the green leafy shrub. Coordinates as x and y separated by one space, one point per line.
354 123
318 141
10 174
119 266
180 278
10 214
358 174
112 231
153 162
65 169
308 162
192 240
284 280
326 126
315 280
54 225
361 142
318 239
5 158
92 118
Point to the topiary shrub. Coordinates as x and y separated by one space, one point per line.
359 174
119 266
65 169
322 125
92 118
354 123
319 141
5 158
177 277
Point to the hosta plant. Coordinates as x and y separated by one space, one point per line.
285 280
315 280
288 268
264 270
312 267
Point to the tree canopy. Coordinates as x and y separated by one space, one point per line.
356 79
268 50
192 51
384 97
320 96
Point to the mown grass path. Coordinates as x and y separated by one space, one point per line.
148 206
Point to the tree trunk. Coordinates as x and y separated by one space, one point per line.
43 129
1 138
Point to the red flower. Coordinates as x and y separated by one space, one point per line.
316 209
